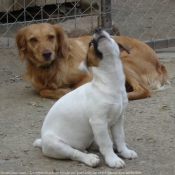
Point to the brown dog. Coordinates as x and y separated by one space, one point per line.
52 62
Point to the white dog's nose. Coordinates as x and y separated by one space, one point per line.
98 30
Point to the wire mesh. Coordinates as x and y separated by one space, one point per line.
77 17
152 21
146 20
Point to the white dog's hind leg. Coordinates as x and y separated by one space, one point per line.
119 139
105 145
54 147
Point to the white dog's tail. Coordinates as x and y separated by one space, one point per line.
37 143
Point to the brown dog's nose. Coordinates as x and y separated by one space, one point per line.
98 30
47 54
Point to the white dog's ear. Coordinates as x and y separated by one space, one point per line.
125 47
83 67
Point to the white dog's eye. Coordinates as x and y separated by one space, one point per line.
90 44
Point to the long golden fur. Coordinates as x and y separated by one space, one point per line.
52 62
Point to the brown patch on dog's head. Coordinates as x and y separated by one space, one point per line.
93 55
41 43
92 59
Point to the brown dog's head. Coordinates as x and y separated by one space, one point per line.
41 43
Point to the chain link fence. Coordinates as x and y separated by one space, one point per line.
151 21
77 17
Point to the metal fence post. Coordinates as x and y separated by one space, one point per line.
106 18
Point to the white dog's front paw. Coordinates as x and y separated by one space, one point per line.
115 162
92 160
128 154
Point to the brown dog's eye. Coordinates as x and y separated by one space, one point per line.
51 37
33 40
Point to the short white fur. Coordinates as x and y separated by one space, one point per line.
88 112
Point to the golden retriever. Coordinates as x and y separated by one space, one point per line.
52 62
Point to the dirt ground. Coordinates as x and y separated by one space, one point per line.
149 127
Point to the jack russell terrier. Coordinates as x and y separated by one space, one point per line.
88 112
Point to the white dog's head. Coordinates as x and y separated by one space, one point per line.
102 44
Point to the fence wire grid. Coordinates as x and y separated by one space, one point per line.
76 17
151 21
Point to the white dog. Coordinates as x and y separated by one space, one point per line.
89 111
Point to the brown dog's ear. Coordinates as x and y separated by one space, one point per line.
125 47
21 43
62 42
